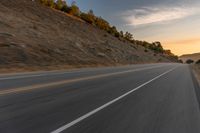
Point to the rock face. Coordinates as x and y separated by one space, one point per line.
32 35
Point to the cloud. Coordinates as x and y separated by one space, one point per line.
151 15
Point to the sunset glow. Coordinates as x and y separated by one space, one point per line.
184 46
174 23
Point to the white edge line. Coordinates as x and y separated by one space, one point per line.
59 130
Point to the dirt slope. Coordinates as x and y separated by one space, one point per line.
33 36
194 57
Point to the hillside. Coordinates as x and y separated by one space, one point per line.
33 36
195 57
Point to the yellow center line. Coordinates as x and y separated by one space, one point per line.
33 87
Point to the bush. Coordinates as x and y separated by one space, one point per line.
117 34
88 18
180 61
65 8
128 36
59 4
74 10
198 61
102 24
121 33
50 3
189 61
45 2
157 47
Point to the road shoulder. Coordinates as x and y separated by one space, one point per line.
195 73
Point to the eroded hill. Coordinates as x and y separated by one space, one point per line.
33 36
195 57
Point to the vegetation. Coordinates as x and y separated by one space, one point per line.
180 61
198 61
128 36
99 22
89 18
189 61
59 4
74 10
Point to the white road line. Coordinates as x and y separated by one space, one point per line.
46 74
59 130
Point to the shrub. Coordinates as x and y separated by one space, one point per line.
189 61
128 36
88 18
74 10
121 33
65 8
50 3
59 4
44 2
198 61
157 47
113 30
90 12
180 61
117 34
102 24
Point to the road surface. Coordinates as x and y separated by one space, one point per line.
154 98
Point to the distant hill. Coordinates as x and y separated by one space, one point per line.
195 57
33 36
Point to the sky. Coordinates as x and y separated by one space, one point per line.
175 23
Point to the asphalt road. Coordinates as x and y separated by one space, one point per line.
155 98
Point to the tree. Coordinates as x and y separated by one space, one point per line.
65 8
74 10
90 12
88 18
102 24
157 47
59 4
51 3
189 61
121 33
117 34
73 3
168 52
128 36
113 30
